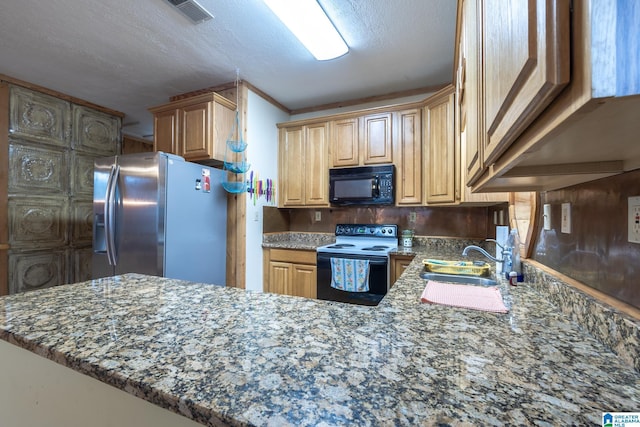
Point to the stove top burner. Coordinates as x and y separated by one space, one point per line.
376 248
341 246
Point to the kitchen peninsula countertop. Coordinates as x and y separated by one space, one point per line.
228 356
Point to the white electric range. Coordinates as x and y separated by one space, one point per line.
371 242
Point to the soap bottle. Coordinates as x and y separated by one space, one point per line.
513 242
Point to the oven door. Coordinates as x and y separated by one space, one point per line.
378 280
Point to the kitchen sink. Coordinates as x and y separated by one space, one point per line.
458 278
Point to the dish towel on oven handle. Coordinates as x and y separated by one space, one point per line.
351 275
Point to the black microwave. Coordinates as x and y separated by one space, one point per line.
364 185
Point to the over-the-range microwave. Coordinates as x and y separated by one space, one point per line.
362 185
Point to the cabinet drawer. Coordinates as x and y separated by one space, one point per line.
294 256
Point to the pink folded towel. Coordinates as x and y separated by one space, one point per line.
465 296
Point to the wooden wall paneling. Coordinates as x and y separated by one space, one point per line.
237 208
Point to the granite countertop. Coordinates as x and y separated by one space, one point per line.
228 356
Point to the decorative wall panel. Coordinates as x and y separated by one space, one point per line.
52 148
95 132
82 217
82 174
39 117
37 221
37 169
81 265
36 270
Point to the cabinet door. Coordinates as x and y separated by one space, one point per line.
344 142
303 280
408 148
291 167
469 104
376 139
440 149
195 122
398 265
165 129
279 277
316 165
526 64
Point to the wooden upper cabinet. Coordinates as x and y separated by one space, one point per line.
195 128
316 165
304 165
291 167
408 158
440 147
526 61
345 143
376 139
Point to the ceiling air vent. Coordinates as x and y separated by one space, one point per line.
192 10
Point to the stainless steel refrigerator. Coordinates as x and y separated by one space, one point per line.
155 213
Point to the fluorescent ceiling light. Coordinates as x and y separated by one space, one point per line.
308 22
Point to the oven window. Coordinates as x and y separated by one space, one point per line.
353 188
378 280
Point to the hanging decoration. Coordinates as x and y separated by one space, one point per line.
235 159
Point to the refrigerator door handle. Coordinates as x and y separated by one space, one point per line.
109 215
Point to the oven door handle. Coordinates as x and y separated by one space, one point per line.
327 258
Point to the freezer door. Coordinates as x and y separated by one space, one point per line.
102 174
139 200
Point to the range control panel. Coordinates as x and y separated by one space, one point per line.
377 230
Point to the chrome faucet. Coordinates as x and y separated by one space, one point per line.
466 250
506 253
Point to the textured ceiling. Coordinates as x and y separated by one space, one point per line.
134 54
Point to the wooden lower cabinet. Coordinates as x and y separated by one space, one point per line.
398 264
290 272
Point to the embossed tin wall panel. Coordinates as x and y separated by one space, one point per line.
36 270
81 259
37 222
82 214
37 170
82 174
95 132
39 117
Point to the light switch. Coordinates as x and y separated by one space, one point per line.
566 218
546 215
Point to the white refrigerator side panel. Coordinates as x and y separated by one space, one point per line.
196 224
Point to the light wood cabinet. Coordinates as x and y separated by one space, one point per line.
532 137
363 140
195 128
345 142
376 138
408 157
398 265
525 49
290 272
304 165
439 142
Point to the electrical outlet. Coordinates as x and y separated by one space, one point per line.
412 217
256 216
318 216
546 215
634 219
565 227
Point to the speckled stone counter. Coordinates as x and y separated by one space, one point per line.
228 356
